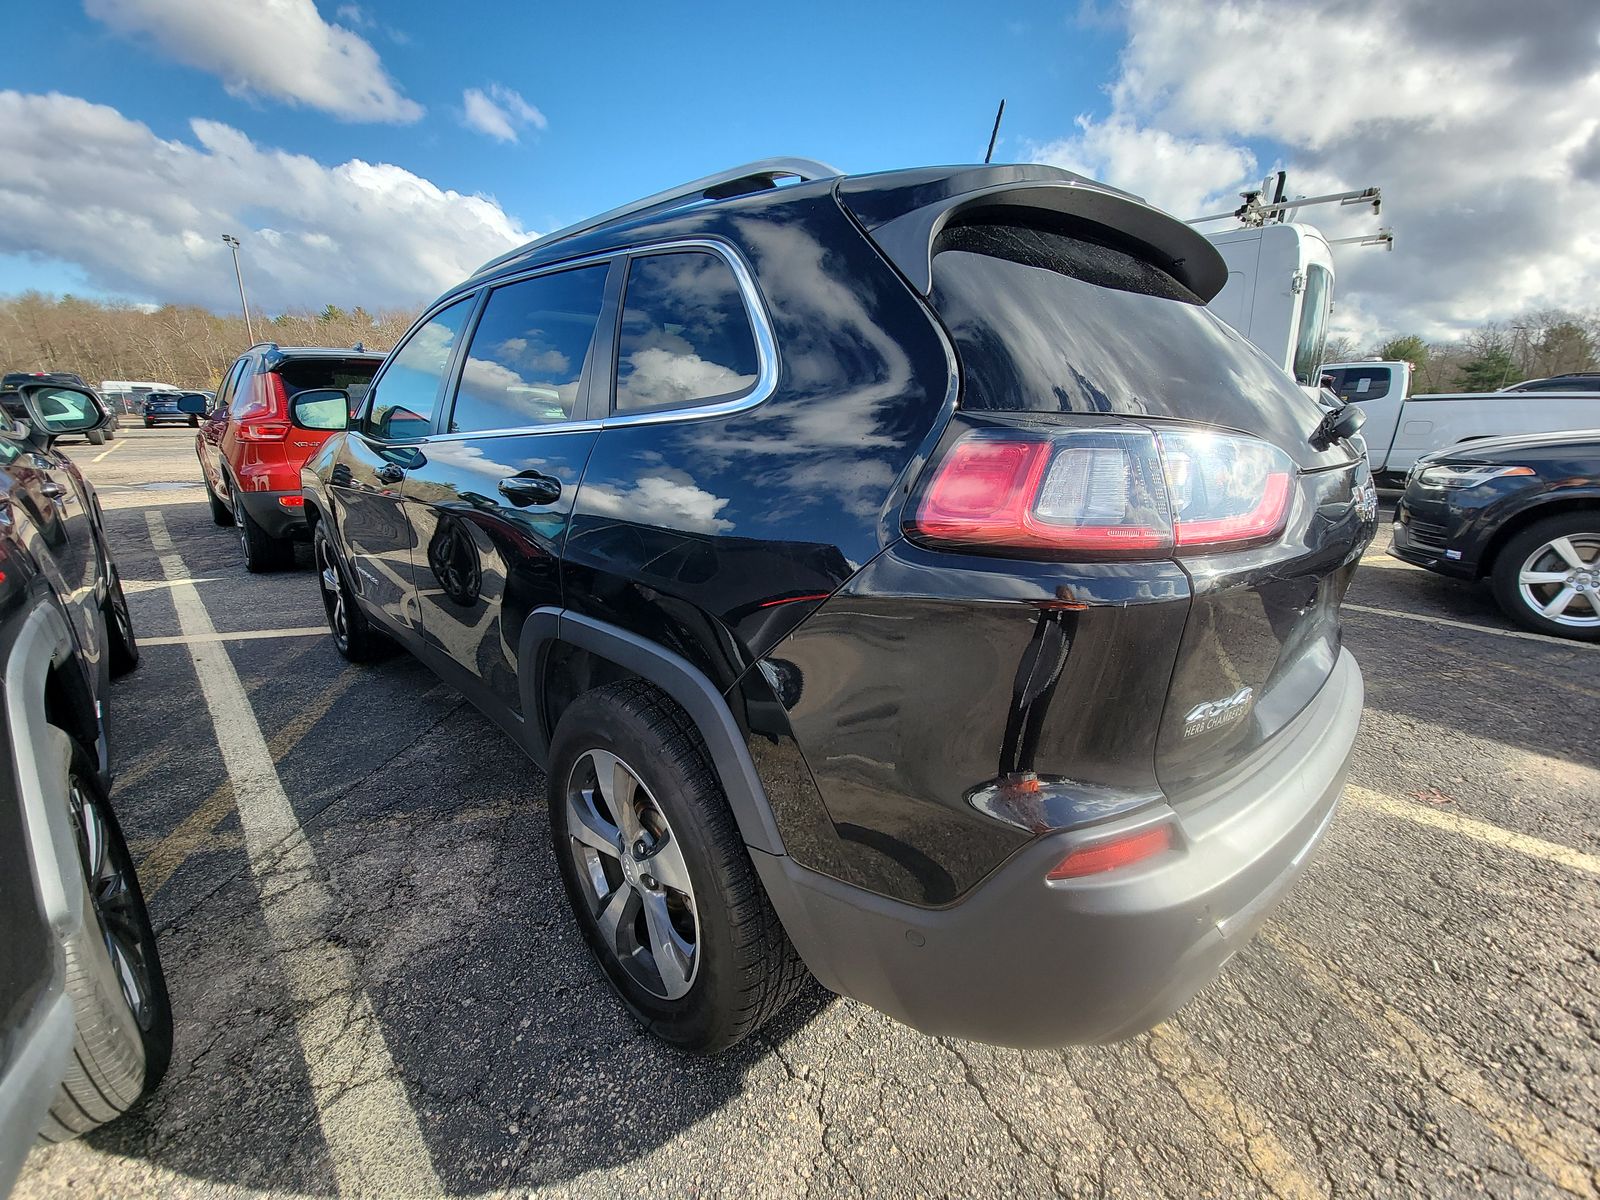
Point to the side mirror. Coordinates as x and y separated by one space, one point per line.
56 409
195 406
325 409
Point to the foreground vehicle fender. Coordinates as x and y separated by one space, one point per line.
674 675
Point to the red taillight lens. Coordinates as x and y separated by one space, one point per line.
262 419
292 501
1098 857
1094 490
1105 492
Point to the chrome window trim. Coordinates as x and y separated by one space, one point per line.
755 311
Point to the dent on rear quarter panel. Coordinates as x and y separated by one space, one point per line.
933 674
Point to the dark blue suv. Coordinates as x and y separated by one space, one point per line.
903 578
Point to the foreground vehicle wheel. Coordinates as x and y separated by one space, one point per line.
353 635
221 514
119 629
262 551
119 995
660 881
1547 578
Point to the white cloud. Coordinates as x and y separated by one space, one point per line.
499 112
281 49
1479 120
143 216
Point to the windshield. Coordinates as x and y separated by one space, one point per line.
1311 339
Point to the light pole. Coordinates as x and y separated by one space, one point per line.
233 244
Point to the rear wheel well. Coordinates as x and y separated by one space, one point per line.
568 671
1522 520
69 704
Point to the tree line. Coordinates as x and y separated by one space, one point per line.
183 345
1553 341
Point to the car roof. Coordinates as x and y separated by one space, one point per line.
885 195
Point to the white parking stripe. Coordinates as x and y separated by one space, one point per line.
243 635
1507 633
115 446
374 1141
1506 839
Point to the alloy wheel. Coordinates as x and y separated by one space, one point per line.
633 875
1560 580
109 874
333 597
238 520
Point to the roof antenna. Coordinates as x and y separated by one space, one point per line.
995 132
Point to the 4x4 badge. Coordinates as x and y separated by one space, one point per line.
1214 714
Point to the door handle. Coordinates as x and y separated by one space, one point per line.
530 487
389 473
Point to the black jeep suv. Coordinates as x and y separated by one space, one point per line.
901 575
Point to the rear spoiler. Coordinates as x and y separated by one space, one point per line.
905 211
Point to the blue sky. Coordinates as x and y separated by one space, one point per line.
334 137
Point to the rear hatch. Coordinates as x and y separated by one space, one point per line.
295 375
1066 321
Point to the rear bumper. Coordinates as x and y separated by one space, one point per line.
280 522
1023 962
168 419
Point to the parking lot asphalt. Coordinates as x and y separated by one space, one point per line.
378 990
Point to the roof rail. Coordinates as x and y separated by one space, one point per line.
763 173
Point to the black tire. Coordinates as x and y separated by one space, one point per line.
119 629
354 636
97 437
120 1053
1581 620
149 424
746 969
221 514
194 422
262 551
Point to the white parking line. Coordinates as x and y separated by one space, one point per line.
1507 633
1471 827
243 635
115 446
374 1141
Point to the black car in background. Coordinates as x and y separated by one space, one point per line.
164 408
1523 512
903 577
85 1024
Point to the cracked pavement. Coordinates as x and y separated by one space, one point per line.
1419 1019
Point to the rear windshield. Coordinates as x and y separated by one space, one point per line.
1048 321
353 375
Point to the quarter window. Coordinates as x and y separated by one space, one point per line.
405 397
526 359
686 338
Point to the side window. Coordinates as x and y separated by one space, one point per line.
230 381
242 392
402 402
525 362
686 336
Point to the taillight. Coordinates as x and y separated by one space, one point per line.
262 419
1122 493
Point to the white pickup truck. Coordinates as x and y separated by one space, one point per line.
1401 428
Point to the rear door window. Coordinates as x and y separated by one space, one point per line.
1056 321
1361 383
526 360
686 338
405 398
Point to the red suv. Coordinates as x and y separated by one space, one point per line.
251 453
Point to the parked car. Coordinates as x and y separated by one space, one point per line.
97 437
85 1022
1401 427
1522 512
250 454
167 407
903 577
1579 381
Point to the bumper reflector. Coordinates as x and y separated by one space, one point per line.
1097 857
292 501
